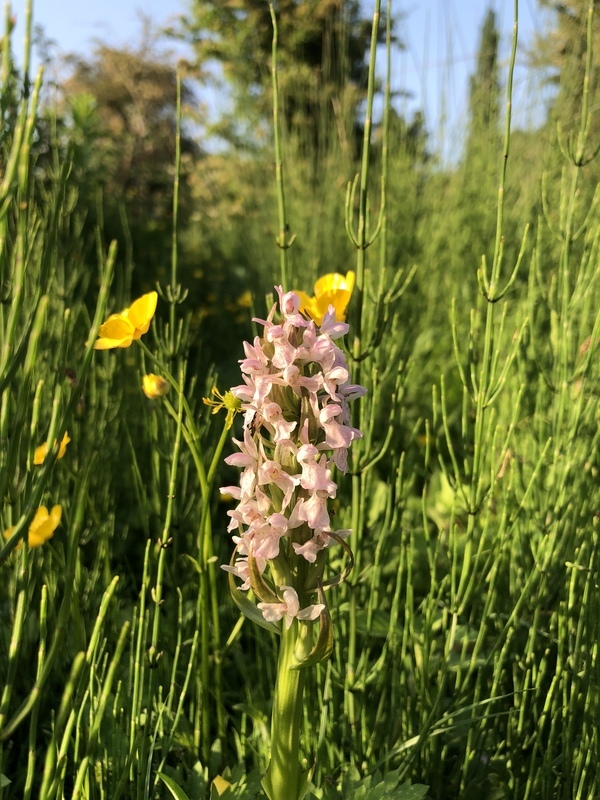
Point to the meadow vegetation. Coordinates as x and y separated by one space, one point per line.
465 661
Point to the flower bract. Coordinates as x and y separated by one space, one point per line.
42 526
41 452
120 330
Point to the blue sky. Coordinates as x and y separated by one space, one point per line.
440 36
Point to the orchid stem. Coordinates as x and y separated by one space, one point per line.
283 778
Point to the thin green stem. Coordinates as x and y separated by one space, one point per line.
282 240
489 343
356 320
191 432
362 233
32 754
153 654
174 290
207 610
16 635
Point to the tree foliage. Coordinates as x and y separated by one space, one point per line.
120 106
562 53
484 85
132 119
321 55
562 49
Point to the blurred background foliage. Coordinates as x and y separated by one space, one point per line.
117 109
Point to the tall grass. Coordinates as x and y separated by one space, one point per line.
466 648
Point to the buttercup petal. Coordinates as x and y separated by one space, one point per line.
110 344
306 302
63 445
40 453
141 311
116 327
43 525
332 289
117 331
56 514
334 282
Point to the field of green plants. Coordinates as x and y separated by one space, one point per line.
420 611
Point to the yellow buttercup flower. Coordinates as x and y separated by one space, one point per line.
154 386
41 452
244 301
332 289
120 330
42 526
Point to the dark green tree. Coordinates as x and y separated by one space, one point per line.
466 198
478 173
321 58
572 129
484 90
561 52
119 107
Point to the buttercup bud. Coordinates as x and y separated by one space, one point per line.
154 386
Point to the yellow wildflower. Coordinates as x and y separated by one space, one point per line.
244 301
154 386
41 452
42 526
120 330
228 401
332 289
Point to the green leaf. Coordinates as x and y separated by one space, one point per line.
408 792
243 786
191 560
175 790
4 781
305 783
376 787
